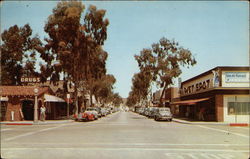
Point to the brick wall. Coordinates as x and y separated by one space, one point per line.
14 104
219 107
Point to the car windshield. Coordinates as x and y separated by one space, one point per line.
164 109
164 112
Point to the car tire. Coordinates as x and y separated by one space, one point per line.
156 118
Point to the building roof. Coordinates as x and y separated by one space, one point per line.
224 68
53 87
21 90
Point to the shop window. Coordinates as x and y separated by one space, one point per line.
238 108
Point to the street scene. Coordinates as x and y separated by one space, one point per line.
125 135
121 80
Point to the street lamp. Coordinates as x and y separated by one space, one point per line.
35 107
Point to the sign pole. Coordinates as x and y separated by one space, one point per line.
68 96
36 106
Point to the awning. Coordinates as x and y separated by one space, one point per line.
4 99
189 102
51 98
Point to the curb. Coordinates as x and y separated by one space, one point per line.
239 124
204 123
59 122
18 123
39 123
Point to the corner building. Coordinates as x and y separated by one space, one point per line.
223 92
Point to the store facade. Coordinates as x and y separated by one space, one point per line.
220 94
17 102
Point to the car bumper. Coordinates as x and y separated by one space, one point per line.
164 118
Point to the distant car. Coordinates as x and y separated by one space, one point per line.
141 110
152 112
146 111
98 109
104 112
163 114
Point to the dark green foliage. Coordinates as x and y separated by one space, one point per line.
18 52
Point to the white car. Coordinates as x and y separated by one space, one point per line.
104 112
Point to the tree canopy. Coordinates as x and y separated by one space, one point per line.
18 54
73 50
161 64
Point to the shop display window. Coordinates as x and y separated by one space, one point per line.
238 108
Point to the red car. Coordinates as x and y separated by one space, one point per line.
85 116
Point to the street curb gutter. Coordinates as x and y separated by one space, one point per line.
32 123
17 123
239 124
208 123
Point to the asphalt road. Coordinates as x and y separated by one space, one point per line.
124 135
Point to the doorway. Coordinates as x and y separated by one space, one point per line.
28 110
3 110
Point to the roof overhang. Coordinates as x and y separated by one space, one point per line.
189 102
4 99
51 98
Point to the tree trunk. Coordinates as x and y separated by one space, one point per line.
91 100
163 91
76 98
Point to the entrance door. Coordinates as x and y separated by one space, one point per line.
3 110
28 110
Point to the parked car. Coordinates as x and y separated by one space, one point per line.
152 112
93 111
85 116
146 111
163 114
141 111
108 109
98 109
104 112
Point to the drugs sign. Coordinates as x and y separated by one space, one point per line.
30 80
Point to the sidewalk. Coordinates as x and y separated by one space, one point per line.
184 121
38 123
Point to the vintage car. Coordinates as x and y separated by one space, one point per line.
104 112
163 114
152 112
93 111
85 116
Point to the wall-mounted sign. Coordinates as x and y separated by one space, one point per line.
203 85
197 85
236 77
30 80
216 79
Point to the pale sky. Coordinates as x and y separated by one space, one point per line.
217 33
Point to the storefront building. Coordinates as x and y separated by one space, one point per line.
220 94
17 103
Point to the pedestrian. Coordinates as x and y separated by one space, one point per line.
201 114
42 113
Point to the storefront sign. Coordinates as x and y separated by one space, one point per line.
196 87
237 77
30 80
216 79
